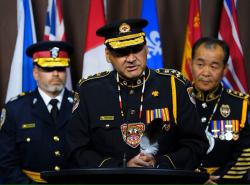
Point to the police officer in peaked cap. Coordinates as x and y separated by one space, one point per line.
32 134
113 110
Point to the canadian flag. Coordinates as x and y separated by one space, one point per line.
94 60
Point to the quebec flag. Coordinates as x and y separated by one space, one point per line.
21 76
149 12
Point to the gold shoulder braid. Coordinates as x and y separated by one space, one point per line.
174 74
177 74
244 104
97 75
237 94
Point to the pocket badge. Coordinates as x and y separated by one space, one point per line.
132 133
225 110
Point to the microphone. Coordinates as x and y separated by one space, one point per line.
124 160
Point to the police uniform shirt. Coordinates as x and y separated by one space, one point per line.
47 99
30 142
229 127
97 132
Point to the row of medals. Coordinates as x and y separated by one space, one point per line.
227 135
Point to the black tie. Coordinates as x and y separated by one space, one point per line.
54 111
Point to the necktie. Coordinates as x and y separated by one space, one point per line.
54 111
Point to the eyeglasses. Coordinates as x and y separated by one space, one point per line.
126 51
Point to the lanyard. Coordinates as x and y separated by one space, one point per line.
120 99
215 108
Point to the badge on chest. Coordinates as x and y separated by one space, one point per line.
132 133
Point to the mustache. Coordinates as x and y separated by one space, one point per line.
206 79
56 78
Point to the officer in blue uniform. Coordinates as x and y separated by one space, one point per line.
113 109
32 135
223 113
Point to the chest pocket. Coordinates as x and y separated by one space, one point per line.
28 133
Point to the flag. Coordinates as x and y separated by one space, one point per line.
21 75
54 29
149 12
193 33
229 32
94 53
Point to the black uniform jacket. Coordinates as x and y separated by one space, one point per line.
95 138
229 126
29 140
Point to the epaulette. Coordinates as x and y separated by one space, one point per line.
177 74
237 94
95 76
19 96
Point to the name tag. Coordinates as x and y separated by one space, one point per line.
107 118
28 125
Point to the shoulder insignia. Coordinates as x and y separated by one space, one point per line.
19 96
237 94
76 101
2 118
95 76
177 74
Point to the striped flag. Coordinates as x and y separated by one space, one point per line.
229 32
193 33
149 12
94 53
54 29
21 76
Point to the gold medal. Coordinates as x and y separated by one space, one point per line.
235 136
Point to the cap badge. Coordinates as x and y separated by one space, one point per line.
54 52
124 28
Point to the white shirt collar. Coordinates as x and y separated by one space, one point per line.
47 98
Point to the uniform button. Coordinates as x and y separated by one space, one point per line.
131 92
203 119
204 105
132 112
138 82
57 168
57 153
28 139
56 138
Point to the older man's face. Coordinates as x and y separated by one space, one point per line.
208 67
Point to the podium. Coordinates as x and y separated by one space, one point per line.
124 176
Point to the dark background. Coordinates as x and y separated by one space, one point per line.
172 21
